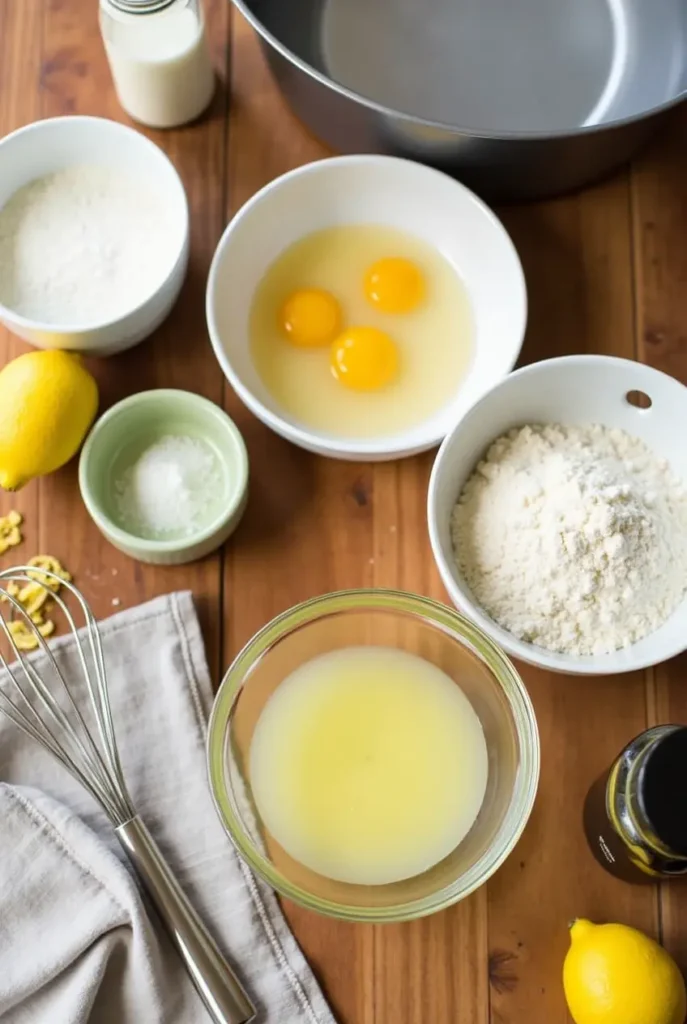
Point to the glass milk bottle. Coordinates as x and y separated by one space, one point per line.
159 58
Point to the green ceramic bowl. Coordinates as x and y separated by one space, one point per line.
124 433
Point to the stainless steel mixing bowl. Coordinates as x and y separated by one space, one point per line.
518 98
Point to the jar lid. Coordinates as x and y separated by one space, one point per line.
662 790
141 6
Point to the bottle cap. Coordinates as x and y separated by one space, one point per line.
141 6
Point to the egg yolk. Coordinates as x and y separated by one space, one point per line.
394 285
364 358
310 317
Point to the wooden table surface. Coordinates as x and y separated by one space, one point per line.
607 272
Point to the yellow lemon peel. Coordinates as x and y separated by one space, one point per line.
10 534
49 564
34 599
25 638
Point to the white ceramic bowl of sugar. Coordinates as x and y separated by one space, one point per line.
368 189
573 390
52 145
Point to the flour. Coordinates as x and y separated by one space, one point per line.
573 538
82 246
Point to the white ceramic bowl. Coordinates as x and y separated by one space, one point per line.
368 190
51 145
571 390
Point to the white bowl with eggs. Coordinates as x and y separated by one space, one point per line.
137 300
571 391
378 193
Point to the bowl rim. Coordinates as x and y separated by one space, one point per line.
6 312
160 396
540 657
476 133
391 446
504 675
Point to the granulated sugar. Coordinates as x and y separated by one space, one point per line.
573 538
83 245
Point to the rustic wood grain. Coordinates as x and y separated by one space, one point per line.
21 49
660 225
577 257
606 272
316 525
57 66
304 532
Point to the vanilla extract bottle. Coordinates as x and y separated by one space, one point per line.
635 815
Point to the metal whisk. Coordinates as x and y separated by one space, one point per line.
48 713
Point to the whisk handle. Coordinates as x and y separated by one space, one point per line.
216 983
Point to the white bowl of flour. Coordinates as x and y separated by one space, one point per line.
566 541
94 234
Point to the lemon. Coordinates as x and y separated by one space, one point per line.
616 975
47 403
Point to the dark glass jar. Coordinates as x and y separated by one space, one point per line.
635 815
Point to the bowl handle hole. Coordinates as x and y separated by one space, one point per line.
639 399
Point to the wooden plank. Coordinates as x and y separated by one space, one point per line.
315 525
286 549
74 78
660 223
577 257
21 52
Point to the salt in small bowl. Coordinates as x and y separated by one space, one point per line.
120 437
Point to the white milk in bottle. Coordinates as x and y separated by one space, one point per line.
159 58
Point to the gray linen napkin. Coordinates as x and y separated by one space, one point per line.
76 943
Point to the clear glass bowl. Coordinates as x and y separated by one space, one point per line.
419 626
